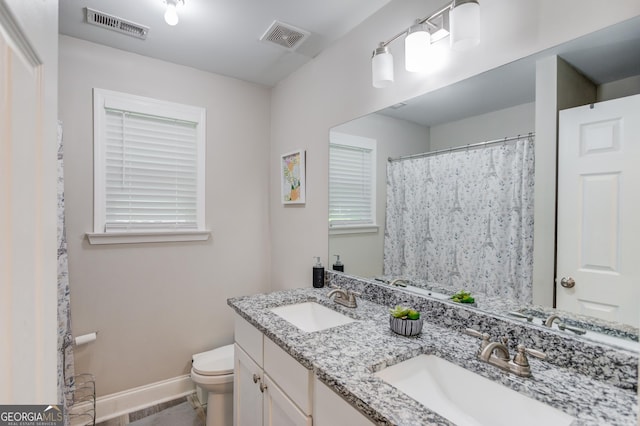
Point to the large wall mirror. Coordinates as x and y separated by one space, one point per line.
499 107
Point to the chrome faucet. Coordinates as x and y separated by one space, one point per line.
549 321
344 297
562 326
399 282
497 353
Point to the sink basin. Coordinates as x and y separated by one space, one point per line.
311 316
466 398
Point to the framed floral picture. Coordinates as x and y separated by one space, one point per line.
292 166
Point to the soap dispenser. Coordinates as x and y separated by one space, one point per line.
318 274
338 266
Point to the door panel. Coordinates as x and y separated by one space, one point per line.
598 202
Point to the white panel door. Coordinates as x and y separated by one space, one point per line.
598 268
27 222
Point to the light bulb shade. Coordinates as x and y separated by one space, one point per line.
171 15
464 20
416 48
382 68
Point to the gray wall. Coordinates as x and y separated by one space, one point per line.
618 89
517 120
154 305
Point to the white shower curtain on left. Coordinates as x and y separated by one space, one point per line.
464 219
65 341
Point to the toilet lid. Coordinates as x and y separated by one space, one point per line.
215 362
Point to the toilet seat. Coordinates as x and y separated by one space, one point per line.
217 362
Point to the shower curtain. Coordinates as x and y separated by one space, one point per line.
65 341
464 219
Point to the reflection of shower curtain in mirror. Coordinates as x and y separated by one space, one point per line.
464 219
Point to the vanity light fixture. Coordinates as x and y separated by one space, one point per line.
459 20
382 67
171 14
416 48
465 24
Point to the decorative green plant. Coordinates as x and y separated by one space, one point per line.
463 296
404 313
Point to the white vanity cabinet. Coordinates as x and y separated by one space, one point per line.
270 387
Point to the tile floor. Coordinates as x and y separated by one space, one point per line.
185 411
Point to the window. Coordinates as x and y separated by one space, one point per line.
148 170
352 189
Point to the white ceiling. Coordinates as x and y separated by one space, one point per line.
222 36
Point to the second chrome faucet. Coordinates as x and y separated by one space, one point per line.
497 353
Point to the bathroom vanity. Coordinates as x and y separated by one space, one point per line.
338 374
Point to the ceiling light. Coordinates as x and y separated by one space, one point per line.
382 67
416 48
465 24
171 14
459 20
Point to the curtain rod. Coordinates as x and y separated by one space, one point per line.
459 148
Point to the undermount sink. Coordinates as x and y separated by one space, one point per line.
311 316
466 398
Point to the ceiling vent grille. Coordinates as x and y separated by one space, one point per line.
114 23
285 35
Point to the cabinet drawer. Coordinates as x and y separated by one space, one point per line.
249 338
294 379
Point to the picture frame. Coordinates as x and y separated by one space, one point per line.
292 177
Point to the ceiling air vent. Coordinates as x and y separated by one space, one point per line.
114 23
285 35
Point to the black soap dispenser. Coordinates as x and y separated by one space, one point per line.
318 274
338 266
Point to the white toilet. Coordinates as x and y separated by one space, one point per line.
213 372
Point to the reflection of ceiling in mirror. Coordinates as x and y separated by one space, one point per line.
603 56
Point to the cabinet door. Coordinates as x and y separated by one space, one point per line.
279 410
247 396
329 409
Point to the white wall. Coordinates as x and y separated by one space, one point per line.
154 305
336 87
514 121
362 253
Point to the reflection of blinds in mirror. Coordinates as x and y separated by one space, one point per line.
351 181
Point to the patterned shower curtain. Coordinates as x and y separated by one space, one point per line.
65 341
464 219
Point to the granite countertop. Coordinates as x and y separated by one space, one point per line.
346 358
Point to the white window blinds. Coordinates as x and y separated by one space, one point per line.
351 181
148 165
151 173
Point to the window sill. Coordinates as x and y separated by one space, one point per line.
146 237
354 229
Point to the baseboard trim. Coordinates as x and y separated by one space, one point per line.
130 400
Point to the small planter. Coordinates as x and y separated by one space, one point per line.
405 327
